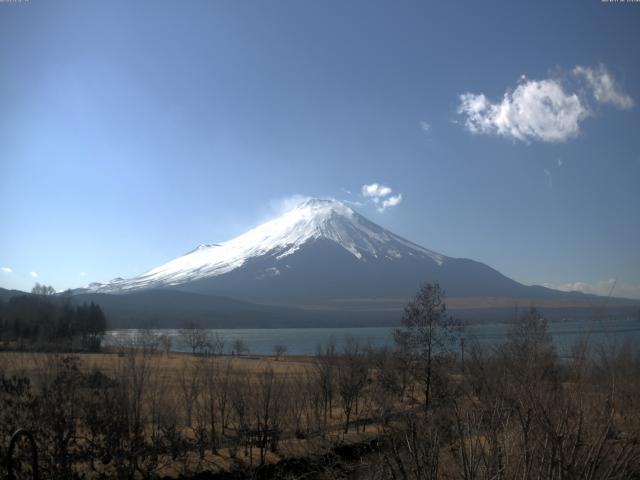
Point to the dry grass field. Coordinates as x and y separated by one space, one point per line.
177 392
516 411
35 364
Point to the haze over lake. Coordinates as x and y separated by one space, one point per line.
305 341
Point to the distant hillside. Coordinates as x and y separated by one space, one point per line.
174 308
7 294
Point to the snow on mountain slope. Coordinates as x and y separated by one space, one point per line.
311 220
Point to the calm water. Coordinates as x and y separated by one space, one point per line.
304 341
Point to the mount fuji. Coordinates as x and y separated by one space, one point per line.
321 253
321 264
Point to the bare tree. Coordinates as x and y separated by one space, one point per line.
325 363
426 335
240 400
279 350
189 381
298 393
213 387
166 343
268 411
352 377
217 344
314 396
223 392
147 340
240 347
135 372
196 338
44 290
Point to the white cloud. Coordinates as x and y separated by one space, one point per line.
560 162
543 110
82 274
6 269
604 87
549 176
535 110
381 196
33 274
616 288
425 126
284 204
375 190
391 201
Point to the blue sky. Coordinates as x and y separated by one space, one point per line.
132 131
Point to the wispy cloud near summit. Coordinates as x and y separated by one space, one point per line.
375 190
381 196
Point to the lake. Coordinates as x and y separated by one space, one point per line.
305 341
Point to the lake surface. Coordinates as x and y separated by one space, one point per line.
305 341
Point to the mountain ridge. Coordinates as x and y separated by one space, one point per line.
281 237
320 256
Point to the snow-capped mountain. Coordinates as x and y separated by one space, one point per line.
319 264
312 220
320 250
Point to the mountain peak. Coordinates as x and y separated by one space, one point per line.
321 202
299 228
320 206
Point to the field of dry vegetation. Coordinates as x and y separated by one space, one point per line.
420 411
